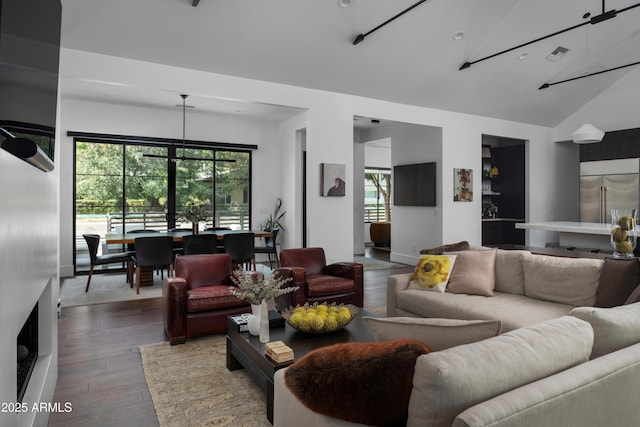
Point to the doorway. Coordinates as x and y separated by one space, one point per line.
503 190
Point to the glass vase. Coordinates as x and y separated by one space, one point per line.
264 322
623 232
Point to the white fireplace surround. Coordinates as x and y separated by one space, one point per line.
28 260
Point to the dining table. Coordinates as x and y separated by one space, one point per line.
146 274
115 238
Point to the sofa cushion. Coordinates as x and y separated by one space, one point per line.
447 382
564 280
614 328
208 298
320 284
438 334
618 279
509 271
432 272
474 273
352 381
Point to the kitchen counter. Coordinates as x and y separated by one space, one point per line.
588 235
503 219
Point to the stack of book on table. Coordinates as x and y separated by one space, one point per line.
278 351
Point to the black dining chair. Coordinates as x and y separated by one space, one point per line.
269 247
152 252
194 244
93 241
241 248
220 242
178 247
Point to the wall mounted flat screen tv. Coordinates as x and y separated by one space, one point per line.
414 185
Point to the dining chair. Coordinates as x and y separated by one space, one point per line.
220 242
178 247
241 248
269 247
93 241
152 252
195 244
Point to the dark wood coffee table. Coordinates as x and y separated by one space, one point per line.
246 351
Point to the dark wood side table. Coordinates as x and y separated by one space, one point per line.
246 351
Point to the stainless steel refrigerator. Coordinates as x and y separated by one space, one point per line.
607 184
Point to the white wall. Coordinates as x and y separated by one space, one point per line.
617 108
28 261
328 125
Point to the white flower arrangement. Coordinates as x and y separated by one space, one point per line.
254 287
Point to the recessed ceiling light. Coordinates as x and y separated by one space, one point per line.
523 56
344 3
458 36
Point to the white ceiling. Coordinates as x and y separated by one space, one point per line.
413 60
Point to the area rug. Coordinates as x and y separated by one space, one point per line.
191 386
105 288
375 264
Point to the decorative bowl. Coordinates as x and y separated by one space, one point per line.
300 319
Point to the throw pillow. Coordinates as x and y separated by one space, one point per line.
613 328
438 334
368 383
439 250
570 281
432 272
474 273
509 272
618 279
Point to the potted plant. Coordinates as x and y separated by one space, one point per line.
274 218
194 212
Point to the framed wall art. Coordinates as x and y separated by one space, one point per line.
332 179
462 185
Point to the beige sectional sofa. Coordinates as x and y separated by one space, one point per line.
517 287
545 374
559 361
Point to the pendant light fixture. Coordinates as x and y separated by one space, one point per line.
587 134
184 141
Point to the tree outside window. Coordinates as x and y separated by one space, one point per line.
377 195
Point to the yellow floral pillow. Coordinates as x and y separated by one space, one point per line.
432 272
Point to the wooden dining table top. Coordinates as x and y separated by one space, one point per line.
177 235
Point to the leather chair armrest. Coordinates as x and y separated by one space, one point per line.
174 309
298 276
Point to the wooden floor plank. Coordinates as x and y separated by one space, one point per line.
100 369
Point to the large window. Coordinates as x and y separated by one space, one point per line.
127 186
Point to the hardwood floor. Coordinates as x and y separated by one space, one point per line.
100 370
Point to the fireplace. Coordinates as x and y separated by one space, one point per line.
27 345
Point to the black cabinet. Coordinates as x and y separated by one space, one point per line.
501 231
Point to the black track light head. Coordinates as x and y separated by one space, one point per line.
544 86
465 66
359 39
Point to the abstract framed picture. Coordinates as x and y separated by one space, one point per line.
462 185
332 179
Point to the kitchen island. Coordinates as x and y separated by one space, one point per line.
579 235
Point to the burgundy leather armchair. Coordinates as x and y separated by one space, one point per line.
197 300
318 282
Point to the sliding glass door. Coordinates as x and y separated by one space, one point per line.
121 187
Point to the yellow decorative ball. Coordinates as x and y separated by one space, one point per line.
295 318
343 317
618 234
627 222
312 310
299 310
317 323
331 323
332 309
322 308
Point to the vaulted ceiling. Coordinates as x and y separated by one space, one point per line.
412 60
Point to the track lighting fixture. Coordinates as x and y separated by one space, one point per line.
604 16
360 37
